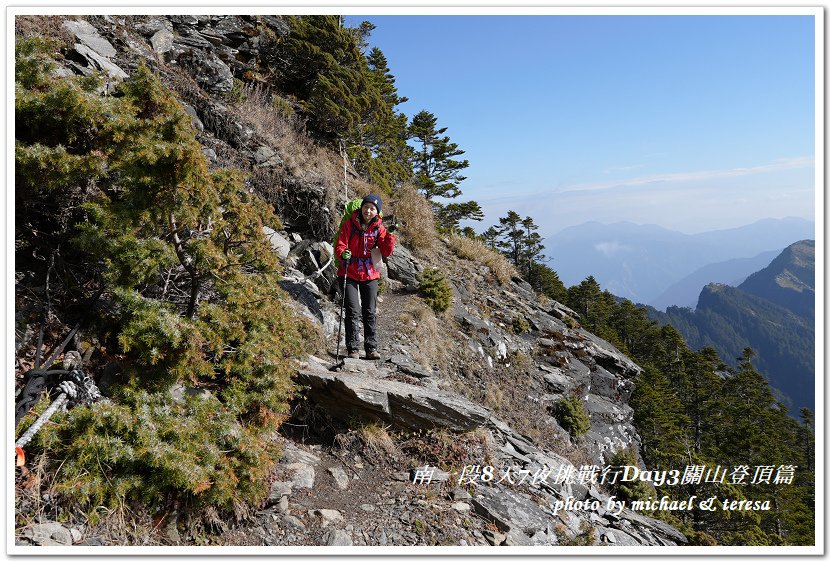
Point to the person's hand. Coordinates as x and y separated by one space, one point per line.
393 225
346 255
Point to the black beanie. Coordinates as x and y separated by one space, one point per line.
374 199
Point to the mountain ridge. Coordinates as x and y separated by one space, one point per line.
640 262
775 321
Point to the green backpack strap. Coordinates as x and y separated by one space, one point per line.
348 209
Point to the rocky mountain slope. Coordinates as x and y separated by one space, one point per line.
790 280
474 387
684 293
772 312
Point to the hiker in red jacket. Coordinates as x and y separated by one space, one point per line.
358 237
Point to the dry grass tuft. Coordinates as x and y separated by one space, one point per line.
431 343
274 119
376 440
476 250
415 215
48 27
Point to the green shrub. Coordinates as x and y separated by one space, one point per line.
520 325
629 490
192 285
571 414
237 93
436 290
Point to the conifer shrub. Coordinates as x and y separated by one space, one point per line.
237 93
193 293
436 290
629 490
520 324
571 414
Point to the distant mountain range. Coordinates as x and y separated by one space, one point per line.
643 262
685 292
772 311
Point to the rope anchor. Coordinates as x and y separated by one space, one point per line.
80 389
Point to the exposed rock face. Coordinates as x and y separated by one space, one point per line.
402 405
370 395
404 267
92 51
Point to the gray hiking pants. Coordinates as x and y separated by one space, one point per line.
365 307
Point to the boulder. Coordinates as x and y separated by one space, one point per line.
509 511
338 538
265 156
280 245
162 41
404 267
205 67
197 123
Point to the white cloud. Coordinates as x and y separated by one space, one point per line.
610 248
777 165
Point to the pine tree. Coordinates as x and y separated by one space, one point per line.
437 173
513 235
531 250
659 418
490 237
545 280
382 152
321 65
449 216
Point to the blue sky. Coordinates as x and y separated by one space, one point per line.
693 123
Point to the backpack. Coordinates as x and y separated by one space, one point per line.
348 209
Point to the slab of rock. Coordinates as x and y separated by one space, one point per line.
509 510
48 534
605 384
153 26
608 356
87 35
407 365
401 405
97 61
655 526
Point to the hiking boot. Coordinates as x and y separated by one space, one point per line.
353 354
372 355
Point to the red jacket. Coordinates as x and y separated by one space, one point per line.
361 243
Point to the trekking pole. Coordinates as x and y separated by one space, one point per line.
337 363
